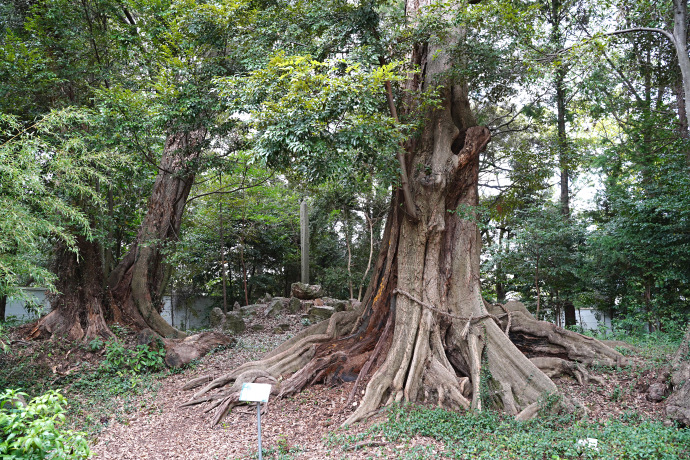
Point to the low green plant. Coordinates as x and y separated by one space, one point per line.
495 435
33 431
120 359
95 345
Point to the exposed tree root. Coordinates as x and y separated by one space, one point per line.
678 404
556 367
540 338
424 333
287 359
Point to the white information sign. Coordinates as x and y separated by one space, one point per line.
255 392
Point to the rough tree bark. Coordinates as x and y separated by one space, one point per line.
137 283
424 332
678 404
77 309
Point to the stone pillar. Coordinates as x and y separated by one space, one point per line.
304 240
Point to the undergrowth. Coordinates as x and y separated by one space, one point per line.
110 382
492 435
34 430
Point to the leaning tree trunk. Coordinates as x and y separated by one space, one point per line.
77 309
424 333
137 283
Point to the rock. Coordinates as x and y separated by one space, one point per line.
276 306
279 329
234 323
236 306
216 317
294 305
317 314
257 327
319 302
307 304
250 311
306 291
149 338
355 304
266 298
337 304
657 392
181 352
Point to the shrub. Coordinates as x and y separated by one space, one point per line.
32 431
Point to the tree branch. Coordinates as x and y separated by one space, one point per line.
663 32
404 182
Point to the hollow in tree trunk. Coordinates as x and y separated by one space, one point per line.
424 332
137 283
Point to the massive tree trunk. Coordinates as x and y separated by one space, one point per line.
424 332
137 283
77 309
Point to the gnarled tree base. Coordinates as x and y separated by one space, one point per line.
437 370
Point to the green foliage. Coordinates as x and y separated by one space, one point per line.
33 431
44 169
543 249
491 435
121 360
321 119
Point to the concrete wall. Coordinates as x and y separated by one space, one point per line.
15 306
591 319
187 312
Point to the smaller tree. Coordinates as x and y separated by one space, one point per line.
543 258
45 169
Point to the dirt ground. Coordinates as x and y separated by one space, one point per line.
300 427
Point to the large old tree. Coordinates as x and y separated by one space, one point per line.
424 333
135 287
154 102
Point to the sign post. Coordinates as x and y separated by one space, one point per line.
258 393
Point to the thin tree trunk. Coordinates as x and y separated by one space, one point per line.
500 286
680 41
3 306
244 272
648 305
348 244
563 157
536 286
221 236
